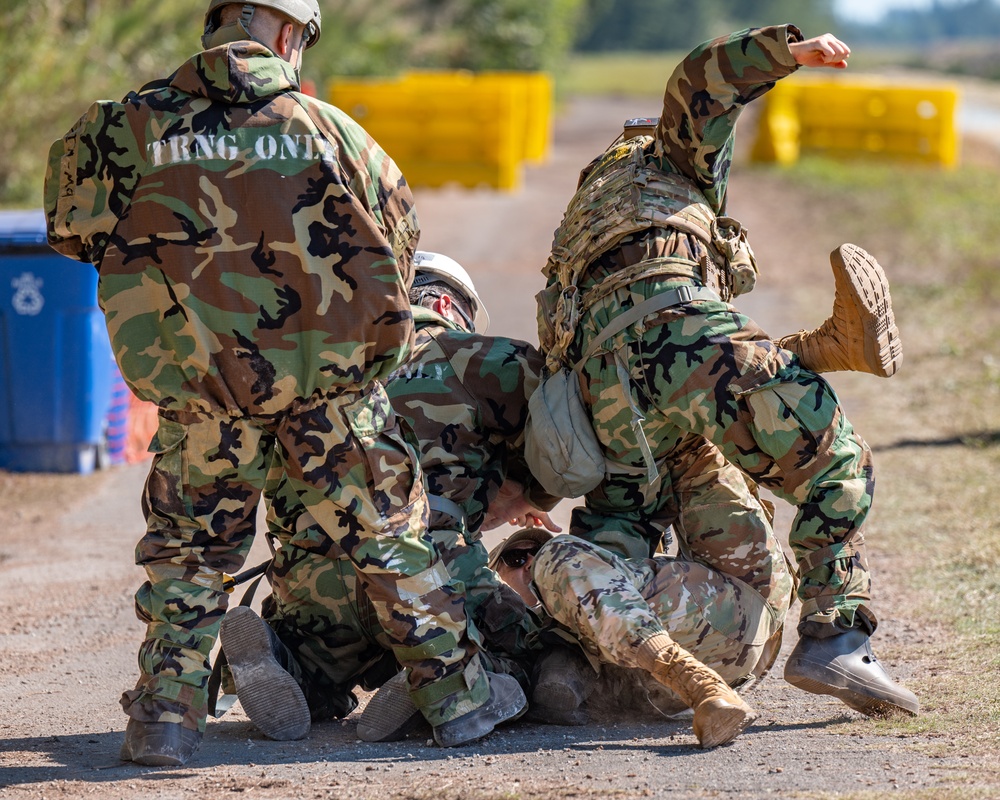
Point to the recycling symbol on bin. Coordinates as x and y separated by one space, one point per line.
28 299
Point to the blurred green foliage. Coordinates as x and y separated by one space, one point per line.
60 55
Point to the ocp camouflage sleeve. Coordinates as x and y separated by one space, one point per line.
254 244
705 96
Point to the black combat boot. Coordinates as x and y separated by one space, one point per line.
562 681
507 702
158 744
391 714
845 667
262 669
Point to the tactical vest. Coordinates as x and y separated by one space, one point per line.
623 195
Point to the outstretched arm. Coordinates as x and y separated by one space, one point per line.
706 94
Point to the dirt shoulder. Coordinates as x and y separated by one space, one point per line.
68 636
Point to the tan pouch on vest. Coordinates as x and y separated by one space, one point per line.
560 445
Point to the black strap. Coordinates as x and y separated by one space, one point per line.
215 679
672 297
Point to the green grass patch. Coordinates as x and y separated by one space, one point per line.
942 221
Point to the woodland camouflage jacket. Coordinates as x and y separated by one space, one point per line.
254 244
465 396
621 226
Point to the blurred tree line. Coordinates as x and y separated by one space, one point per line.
612 25
61 54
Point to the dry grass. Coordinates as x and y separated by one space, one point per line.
935 427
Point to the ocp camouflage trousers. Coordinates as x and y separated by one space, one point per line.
348 464
703 370
721 598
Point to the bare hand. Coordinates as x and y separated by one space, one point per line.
510 506
536 519
822 51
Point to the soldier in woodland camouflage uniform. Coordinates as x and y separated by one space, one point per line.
465 397
255 247
641 270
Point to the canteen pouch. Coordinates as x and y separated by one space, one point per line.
560 445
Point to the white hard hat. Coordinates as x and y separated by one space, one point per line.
304 12
449 271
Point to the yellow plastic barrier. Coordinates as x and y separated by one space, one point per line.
536 91
454 127
858 117
533 101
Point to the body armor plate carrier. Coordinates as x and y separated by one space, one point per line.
621 195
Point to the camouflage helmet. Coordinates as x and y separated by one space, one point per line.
304 12
429 267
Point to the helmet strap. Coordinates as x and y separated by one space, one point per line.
246 16
468 320
237 31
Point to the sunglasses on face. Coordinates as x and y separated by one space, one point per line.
310 36
518 558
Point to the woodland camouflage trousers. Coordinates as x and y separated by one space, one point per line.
703 371
346 461
321 613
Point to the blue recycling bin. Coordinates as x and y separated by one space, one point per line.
55 357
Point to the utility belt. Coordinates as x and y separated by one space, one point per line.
727 267
560 310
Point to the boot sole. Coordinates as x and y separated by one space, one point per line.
548 715
863 703
727 722
390 715
869 290
150 756
557 696
163 747
270 696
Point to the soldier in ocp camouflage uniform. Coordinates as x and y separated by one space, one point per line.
641 270
254 246
723 598
465 397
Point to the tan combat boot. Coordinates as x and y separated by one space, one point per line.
861 333
720 714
